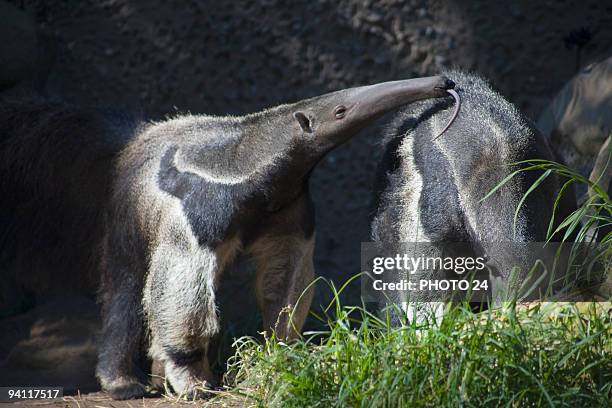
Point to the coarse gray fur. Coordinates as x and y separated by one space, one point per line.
193 192
430 191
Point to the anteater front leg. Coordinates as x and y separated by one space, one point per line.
180 304
284 271
284 259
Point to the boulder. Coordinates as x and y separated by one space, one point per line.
579 119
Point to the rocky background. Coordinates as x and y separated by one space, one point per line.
159 58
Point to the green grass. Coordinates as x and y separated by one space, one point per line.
593 214
507 357
546 355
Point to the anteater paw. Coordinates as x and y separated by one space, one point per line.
126 389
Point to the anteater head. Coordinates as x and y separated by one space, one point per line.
320 124
329 120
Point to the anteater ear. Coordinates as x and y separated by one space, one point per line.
304 121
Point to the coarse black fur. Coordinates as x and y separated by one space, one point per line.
55 163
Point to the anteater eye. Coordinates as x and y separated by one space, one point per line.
339 111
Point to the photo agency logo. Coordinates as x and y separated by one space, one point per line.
478 272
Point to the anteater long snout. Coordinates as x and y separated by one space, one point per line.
381 98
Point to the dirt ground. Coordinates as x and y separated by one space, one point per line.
157 58
101 400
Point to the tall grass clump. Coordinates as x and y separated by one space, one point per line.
592 215
588 229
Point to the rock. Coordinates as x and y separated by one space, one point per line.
578 120
440 61
430 32
373 17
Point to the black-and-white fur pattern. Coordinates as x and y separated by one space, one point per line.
430 191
